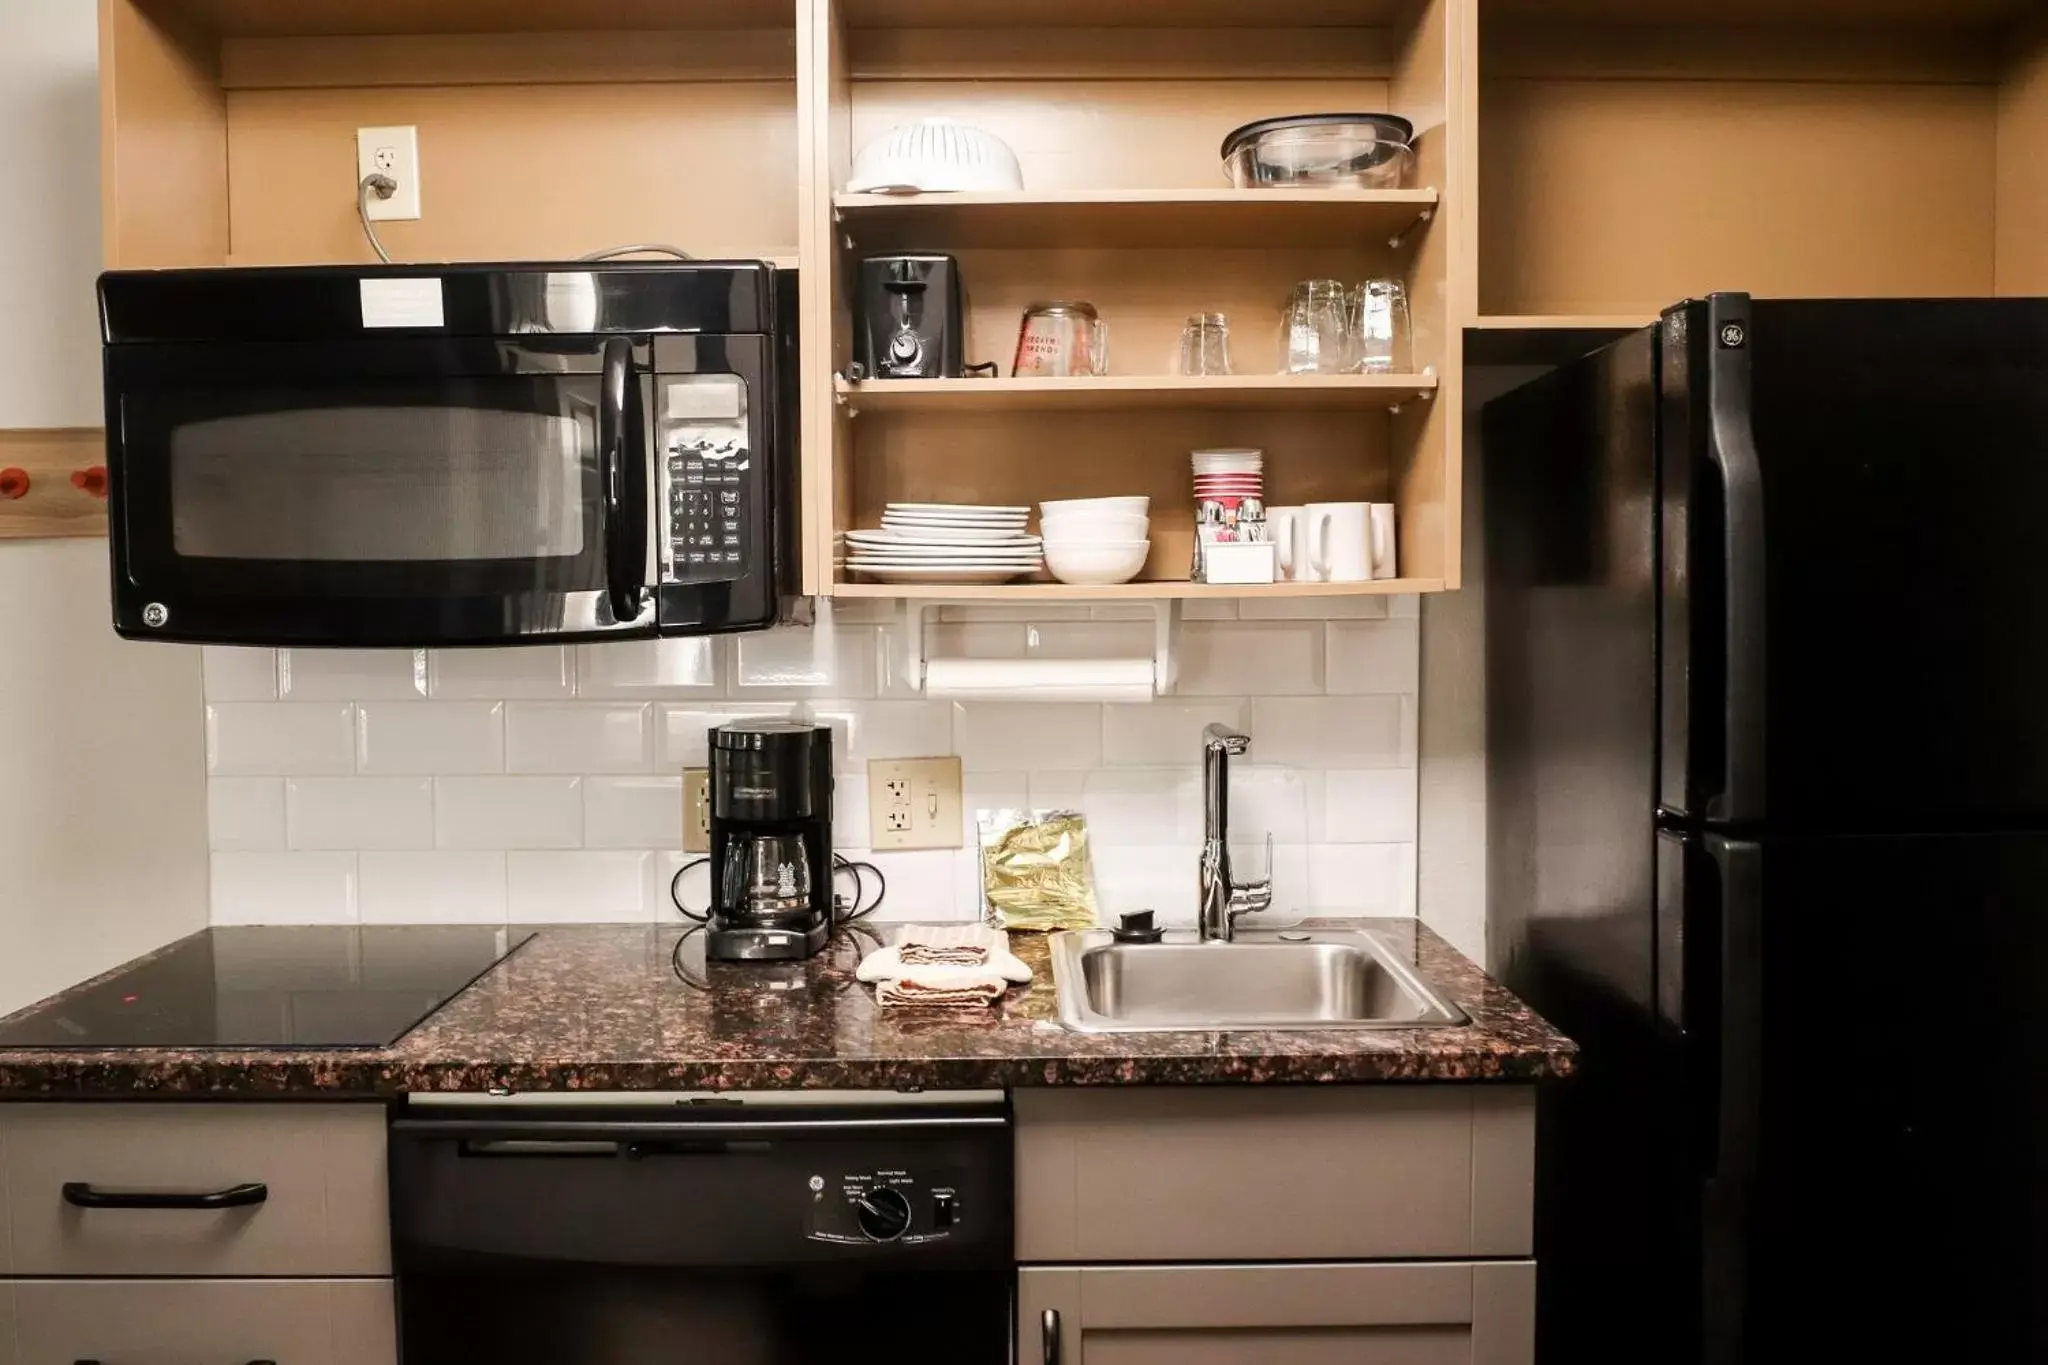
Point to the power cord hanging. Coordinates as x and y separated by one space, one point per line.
383 186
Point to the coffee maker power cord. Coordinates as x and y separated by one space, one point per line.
861 908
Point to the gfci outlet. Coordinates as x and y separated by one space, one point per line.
914 803
394 152
696 810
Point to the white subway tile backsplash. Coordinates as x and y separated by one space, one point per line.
824 658
1019 735
923 885
1142 805
234 674
649 669
1404 604
1246 659
544 783
432 888
1374 656
284 888
404 739
583 887
508 812
683 731
886 729
351 674
1313 609
1368 806
245 813
340 813
633 812
1164 733
585 737
279 738
530 673
1324 732
1362 879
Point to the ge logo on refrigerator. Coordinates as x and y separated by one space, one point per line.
1733 335
155 614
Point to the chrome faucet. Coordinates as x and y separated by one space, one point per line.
1222 899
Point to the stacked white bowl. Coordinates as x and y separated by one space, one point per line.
1096 540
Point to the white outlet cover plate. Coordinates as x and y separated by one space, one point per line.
401 147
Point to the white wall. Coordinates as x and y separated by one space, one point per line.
102 818
545 783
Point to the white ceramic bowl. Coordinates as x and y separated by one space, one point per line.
1096 561
1136 506
1088 530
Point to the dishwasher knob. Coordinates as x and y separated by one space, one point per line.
883 1215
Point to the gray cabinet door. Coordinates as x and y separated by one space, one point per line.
1481 1313
202 1322
324 1210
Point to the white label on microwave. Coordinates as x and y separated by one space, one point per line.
411 302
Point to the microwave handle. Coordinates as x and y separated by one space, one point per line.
624 537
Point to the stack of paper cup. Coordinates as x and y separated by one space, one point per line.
1228 479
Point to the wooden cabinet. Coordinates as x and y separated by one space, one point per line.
294 1322
1327 1225
1414 1314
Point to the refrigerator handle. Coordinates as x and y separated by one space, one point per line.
1726 1224
1732 447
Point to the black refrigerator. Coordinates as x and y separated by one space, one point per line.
1767 810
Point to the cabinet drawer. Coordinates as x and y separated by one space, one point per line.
1265 1173
1416 1314
197 1322
323 1207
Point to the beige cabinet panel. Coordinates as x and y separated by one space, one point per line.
1418 1314
204 1322
325 1209
1269 1173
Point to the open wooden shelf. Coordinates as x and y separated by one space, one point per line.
335 18
1127 218
1134 592
1122 392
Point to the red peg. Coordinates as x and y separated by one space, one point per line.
93 480
13 483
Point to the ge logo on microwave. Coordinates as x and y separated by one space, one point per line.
155 614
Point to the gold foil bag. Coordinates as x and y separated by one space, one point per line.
1035 873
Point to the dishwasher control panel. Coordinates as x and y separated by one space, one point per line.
885 1204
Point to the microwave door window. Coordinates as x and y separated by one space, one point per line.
387 483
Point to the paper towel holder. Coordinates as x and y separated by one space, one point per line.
1166 619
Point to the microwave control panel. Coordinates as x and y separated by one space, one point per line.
710 483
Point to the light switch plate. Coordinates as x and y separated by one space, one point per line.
696 810
914 803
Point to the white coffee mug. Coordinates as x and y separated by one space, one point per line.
1339 536
1287 528
1383 565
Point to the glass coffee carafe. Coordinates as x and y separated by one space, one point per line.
771 879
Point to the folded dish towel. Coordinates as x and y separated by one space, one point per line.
950 966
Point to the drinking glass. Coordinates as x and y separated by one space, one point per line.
1380 334
1205 344
1316 336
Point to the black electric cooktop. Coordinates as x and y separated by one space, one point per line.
309 987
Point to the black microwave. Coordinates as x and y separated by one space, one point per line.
450 455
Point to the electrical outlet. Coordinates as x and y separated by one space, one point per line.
914 803
394 152
696 810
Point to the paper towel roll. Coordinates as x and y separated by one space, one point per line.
1075 680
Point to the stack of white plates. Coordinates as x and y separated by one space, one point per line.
946 543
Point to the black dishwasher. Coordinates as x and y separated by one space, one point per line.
643 1230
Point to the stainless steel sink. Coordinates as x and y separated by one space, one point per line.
1264 979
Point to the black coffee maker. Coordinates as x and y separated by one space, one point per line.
771 841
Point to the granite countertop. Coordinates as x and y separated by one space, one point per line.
599 1008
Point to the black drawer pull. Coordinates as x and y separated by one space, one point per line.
79 1194
1049 1330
